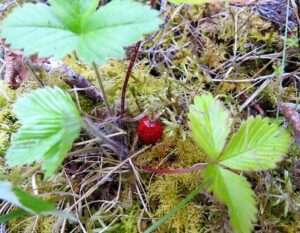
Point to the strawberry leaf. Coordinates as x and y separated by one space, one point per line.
258 144
234 191
210 124
50 123
24 200
76 26
29 203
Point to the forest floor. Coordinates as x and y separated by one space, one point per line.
245 53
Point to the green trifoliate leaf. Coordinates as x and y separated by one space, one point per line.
76 26
258 144
29 203
210 124
50 123
234 191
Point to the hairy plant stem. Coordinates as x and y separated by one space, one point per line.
127 76
100 83
168 171
129 69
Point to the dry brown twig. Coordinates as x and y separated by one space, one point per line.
290 113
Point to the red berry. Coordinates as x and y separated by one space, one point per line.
149 131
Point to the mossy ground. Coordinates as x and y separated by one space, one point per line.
226 50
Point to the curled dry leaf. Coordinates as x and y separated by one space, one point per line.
16 71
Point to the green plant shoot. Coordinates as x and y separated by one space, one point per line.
259 144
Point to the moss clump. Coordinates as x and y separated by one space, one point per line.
32 225
166 192
7 119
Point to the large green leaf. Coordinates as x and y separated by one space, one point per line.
50 123
210 124
76 25
258 144
24 200
28 202
236 193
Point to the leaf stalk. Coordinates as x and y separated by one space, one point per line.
100 83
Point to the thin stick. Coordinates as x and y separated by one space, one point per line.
100 83
40 82
255 94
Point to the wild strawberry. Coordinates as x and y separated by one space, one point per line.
149 131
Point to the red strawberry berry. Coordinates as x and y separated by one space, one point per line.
149 131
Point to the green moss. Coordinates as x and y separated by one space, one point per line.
167 192
196 45
32 225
